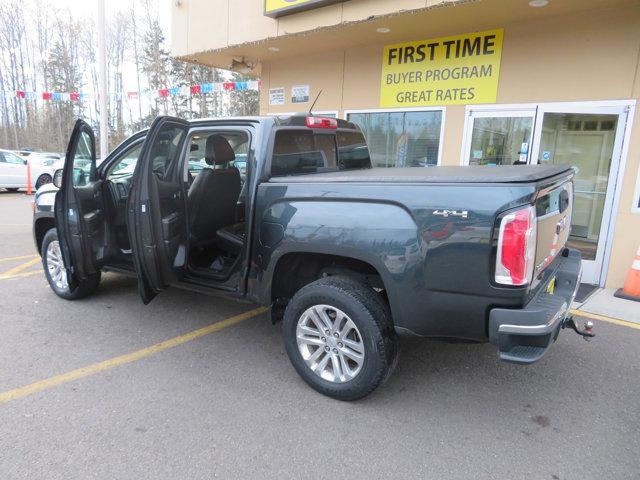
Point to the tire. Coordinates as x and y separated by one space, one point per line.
43 180
12 190
50 253
373 334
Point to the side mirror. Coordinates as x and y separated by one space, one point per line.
25 161
57 178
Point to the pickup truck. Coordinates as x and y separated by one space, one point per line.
347 256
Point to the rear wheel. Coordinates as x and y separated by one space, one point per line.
339 337
43 180
12 190
56 273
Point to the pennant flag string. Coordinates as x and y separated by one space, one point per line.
182 91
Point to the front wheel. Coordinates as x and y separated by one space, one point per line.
56 273
339 337
43 180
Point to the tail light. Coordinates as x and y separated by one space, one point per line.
516 247
322 122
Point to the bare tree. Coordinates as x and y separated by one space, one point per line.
117 41
45 49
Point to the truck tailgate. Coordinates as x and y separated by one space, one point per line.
554 206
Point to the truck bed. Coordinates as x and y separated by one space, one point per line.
449 174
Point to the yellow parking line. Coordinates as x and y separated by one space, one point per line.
604 318
127 358
21 275
16 270
10 259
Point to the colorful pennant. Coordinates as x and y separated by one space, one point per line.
183 91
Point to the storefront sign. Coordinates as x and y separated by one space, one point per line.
300 94
461 69
276 96
277 8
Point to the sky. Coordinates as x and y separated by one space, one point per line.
89 9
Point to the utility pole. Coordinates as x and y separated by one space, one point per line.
102 82
135 53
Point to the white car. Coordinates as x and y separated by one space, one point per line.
13 172
41 158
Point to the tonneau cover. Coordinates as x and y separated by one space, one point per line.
467 174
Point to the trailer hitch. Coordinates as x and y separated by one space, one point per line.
586 330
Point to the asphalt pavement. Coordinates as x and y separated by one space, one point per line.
229 405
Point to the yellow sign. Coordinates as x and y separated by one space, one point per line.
271 5
461 69
276 8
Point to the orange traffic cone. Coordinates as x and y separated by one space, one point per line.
28 177
631 289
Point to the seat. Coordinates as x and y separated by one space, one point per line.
214 193
231 237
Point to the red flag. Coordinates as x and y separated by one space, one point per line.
74 96
20 94
46 95
131 95
195 89
163 92
229 85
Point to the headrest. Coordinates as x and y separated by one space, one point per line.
218 150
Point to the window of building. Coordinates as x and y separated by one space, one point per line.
401 138
500 140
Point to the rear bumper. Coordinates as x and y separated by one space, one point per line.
524 336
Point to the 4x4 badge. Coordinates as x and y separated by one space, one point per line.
452 213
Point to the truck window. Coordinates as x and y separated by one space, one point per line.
299 152
353 151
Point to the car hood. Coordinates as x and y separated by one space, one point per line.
47 188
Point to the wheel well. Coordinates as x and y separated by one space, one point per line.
295 270
43 225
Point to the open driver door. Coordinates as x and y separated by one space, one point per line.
156 208
79 208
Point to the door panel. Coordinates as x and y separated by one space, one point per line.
5 172
589 140
79 208
13 170
498 137
156 209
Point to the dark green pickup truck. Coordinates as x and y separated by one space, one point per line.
346 255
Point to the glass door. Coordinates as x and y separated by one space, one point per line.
498 137
590 140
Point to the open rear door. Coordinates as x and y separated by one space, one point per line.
79 208
156 208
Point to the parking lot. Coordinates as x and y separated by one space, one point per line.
225 402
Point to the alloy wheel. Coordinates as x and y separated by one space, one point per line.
55 266
330 343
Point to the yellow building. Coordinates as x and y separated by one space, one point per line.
457 82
